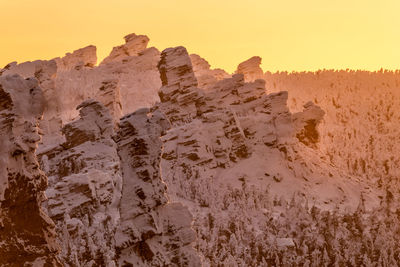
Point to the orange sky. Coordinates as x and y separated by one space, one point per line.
287 34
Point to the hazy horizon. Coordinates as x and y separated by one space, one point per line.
288 35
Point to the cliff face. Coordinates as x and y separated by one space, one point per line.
86 161
27 234
230 149
131 70
85 186
251 69
221 172
206 76
152 230
106 195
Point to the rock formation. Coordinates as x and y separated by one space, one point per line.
27 234
68 81
204 168
107 198
134 44
85 186
84 57
306 123
251 69
206 76
152 231
228 146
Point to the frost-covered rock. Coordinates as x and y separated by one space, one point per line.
27 235
251 69
152 231
284 242
229 145
134 44
124 82
84 57
307 122
206 76
85 187
264 176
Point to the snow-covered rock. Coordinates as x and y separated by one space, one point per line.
284 242
206 76
134 44
27 235
262 175
74 78
85 185
229 145
84 57
251 69
152 230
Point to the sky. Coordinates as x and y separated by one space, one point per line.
288 34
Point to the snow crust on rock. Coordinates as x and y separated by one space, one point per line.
251 69
231 148
85 188
70 80
206 76
134 44
262 175
152 230
27 235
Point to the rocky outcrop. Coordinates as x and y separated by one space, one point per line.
307 122
84 57
109 95
230 149
251 69
152 231
127 80
85 188
107 198
231 159
206 77
134 44
27 234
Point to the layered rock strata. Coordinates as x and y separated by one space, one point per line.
107 197
85 186
206 76
229 146
238 158
27 236
152 230
251 69
131 69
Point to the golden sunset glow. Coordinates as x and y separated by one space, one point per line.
288 34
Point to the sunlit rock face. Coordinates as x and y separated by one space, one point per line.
232 147
251 69
27 235
307 123
84 57
85 188
206 77
134 44
155 159
131 69
152 230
